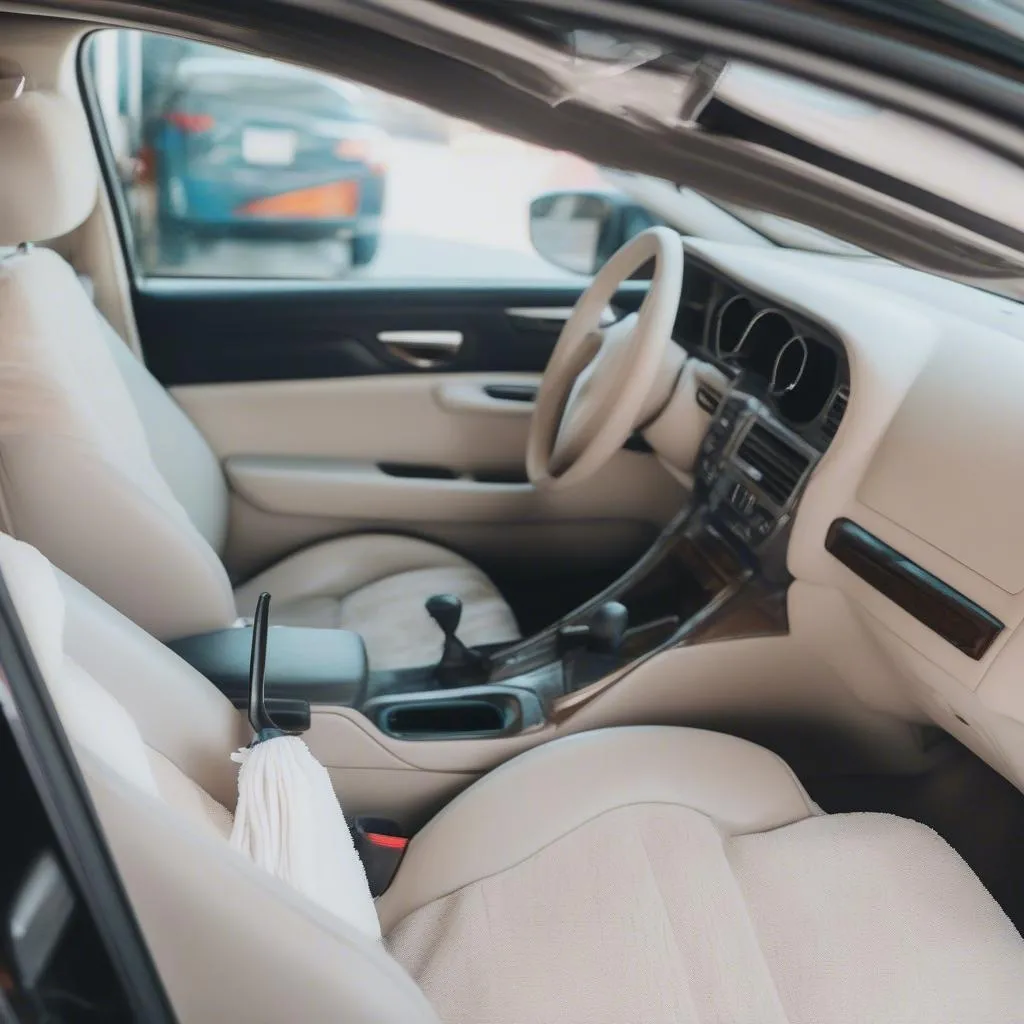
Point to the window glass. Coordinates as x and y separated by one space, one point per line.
237 166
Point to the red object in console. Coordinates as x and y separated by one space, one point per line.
391 842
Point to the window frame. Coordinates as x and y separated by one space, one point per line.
109 175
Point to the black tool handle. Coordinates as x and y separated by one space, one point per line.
259 717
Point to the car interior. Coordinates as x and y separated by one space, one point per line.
662 617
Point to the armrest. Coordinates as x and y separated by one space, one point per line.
321 666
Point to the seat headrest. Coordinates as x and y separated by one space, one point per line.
48 171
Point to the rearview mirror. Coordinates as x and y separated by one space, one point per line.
581 231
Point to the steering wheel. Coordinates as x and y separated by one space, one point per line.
597 385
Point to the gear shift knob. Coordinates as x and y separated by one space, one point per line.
446 611
608 626
459 666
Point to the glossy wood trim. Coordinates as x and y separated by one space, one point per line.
945 611
757 611
564 707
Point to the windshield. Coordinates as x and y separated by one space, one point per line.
905 158
994 26
792 234
696 215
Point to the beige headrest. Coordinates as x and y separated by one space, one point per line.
48 172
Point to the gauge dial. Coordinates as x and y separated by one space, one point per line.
789 366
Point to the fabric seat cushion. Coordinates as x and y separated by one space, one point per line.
866 918
376 585
680 877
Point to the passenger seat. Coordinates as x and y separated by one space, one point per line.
103 472
662 875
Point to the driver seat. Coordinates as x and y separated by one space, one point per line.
103 472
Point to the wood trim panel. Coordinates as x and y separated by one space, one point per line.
945 611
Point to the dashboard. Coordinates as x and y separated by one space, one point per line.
875 414
797 367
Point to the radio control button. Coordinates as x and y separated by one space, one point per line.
742 500
763 522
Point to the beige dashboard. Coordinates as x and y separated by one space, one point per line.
927 460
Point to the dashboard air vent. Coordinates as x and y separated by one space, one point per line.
708 398
835 413
777 465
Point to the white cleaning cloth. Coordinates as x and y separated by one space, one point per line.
289 822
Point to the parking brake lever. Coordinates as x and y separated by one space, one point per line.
603 634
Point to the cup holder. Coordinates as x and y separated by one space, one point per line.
472 713
445 718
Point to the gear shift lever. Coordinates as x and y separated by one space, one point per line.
608 627
458 663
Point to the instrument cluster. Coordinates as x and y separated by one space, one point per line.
798 368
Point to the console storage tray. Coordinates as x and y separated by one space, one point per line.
320 666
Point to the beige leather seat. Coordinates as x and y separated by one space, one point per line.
662 875
102 471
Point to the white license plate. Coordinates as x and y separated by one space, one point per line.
268 148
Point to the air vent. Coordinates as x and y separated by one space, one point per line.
835 413
708 398
777 465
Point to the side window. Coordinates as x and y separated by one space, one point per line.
237 166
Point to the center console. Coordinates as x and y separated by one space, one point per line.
716 571
751 469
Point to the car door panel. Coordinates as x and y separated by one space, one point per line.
327 423
429 419
198 331
347 489
431 454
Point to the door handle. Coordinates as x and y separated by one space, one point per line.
422 349
551 318
467 394
512 392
